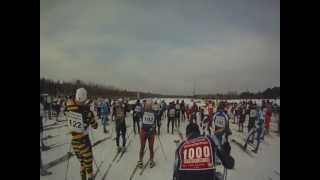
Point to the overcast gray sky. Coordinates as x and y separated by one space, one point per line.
163 46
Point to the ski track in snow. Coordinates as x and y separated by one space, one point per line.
261 166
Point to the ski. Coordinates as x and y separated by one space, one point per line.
241 146
98 169
55 127
100 141
58 161
145 166
136 168
114 158
133 172
123 151
107 171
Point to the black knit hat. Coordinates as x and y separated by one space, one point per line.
192 128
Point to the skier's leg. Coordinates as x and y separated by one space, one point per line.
86 154
142 144
151 143
117 134
168 124
134 124
124 130
158 124
172 123
138 124
76 148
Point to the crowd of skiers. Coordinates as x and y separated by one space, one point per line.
204 147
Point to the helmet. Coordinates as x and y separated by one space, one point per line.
81 95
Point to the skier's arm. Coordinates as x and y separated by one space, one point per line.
176 164
223 153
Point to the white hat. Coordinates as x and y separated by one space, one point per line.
81 95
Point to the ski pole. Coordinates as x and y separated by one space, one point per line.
165 157
68 162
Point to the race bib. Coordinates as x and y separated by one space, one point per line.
178 106
75 122
138 109
220 121
253 113
196 154
148 118
156 107
120 113
172 112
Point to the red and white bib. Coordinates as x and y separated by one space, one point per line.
196 154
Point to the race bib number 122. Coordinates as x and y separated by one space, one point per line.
196 154
75 122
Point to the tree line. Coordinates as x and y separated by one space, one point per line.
61 88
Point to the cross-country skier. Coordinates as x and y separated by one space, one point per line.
195 157
178 111
171 114
156 109
163 107
188 111
221 125
268 114
119 111
80 117
252 118
147 132
183 110
194 110
242 117
104 112
259 127
136 116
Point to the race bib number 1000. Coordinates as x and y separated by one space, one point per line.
196 154
75 122
148 118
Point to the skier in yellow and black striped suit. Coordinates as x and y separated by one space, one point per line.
79 119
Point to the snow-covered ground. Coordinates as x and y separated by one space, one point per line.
264 165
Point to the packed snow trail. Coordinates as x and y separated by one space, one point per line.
264 165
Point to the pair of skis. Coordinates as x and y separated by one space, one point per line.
143 168
121 153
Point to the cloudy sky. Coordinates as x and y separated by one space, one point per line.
163 46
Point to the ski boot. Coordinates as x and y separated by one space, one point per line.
105 130
118 148
140 164
83 175
152 164
124 149
44 172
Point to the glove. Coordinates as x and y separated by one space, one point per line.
226 148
